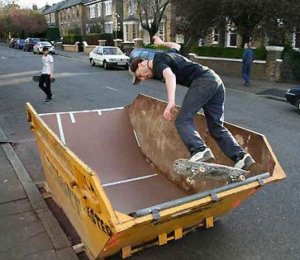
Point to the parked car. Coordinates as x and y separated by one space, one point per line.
29 43
19 44
146 54
293 97
108 56
38 48
12 42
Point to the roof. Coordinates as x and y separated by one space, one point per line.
88 2
69 3
54 7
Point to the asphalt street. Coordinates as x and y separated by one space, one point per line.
267 226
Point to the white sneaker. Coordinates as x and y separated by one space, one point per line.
245 162
203 156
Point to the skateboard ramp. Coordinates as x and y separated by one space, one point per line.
111 172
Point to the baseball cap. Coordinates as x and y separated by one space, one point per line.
133 67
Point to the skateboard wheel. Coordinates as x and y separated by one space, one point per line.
242 178
190 181
202 169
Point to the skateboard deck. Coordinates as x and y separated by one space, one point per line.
193 171
37 78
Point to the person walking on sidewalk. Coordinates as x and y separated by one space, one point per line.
47 74
206 90
248 58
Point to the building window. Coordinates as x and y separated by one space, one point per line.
297 42
52 17
92 11
125 31
215 35
161 31
99 6
77 13
135 31
131 7
179 38
231 37
108 27
108 7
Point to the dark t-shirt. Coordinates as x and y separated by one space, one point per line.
185 70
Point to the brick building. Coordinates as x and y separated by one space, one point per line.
132 27
103 16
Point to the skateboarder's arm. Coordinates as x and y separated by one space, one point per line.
171 45
170 80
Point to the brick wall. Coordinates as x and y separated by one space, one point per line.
231 67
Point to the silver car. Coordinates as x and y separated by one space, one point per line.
38 48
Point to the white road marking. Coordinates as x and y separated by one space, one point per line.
83 111
60 128
113 89
129 180
72 117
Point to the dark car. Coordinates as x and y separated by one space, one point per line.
12 42
293 97
143 53
29 43
19 44
146 54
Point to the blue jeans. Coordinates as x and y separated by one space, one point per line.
246 72
207 92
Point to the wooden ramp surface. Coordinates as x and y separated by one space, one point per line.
105 141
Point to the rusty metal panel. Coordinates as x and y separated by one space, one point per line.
161 143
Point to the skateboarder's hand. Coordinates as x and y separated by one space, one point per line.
168 111
157 40
51 76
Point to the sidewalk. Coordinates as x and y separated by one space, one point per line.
74 55
269 89
28 230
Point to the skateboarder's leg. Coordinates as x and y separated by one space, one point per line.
48 87
199 93
42 83
214 113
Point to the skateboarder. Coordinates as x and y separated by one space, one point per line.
47 74
206 90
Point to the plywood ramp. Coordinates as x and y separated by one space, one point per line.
106 142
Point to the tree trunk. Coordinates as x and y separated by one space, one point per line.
190 41
222 32
151 34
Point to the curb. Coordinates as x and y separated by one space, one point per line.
63 55
273 97
58 238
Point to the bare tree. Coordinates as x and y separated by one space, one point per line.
151 13
16 21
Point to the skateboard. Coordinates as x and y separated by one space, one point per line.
192 171
37 78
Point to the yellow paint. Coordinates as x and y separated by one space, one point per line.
105 231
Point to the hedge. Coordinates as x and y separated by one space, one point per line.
92 39
53 34
71 39
234 53
292 58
